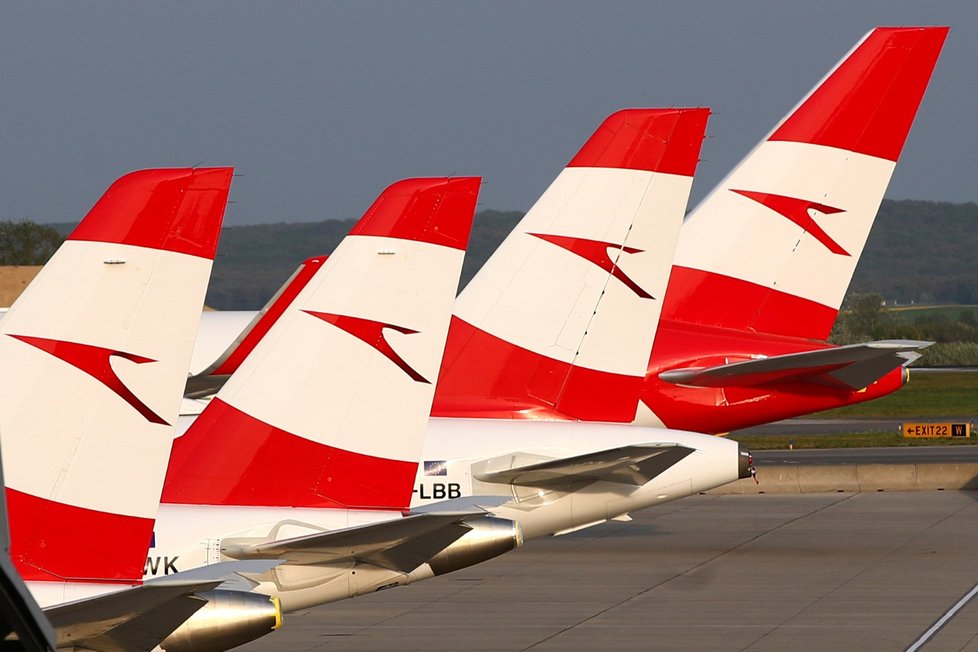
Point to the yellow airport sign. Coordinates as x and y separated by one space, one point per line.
937 430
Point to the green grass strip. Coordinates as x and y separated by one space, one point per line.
928 395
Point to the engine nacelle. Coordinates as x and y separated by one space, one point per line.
229 619
488 538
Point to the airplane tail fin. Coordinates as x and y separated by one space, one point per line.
331 406
773 247
96 351
562 317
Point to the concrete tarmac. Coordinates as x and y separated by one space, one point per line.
894 455
864 571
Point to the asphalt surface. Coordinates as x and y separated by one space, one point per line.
869 571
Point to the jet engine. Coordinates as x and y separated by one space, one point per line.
489 537
229 619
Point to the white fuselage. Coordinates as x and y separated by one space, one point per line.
188 536
49 594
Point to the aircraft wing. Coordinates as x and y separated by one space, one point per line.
139 618
634 465
850 367
132 619
401 545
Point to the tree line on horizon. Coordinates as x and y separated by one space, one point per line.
918 252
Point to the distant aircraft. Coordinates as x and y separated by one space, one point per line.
761 269
95 355
266 472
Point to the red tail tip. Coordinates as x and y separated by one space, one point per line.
657 140
869 101
178 210
437 210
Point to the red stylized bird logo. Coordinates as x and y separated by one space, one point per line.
596 251
96 362
372 332
796 210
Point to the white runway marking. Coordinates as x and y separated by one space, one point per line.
948 615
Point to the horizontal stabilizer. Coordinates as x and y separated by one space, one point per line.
850 367
131 619
399 545
204 384
633 465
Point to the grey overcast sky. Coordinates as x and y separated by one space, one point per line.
319 105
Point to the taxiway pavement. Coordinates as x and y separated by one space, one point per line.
852 571
908 455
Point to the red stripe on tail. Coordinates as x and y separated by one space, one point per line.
230 458
646 139
51 541
699 297
415 209
177 210
485 376
869 101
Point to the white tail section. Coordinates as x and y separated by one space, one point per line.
774 246
565 311
96 352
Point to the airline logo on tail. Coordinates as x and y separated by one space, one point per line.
97 363
596 251
797 210
372 332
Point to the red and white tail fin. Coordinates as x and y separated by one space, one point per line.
96 352
212 378
330 408
560 321
773 247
